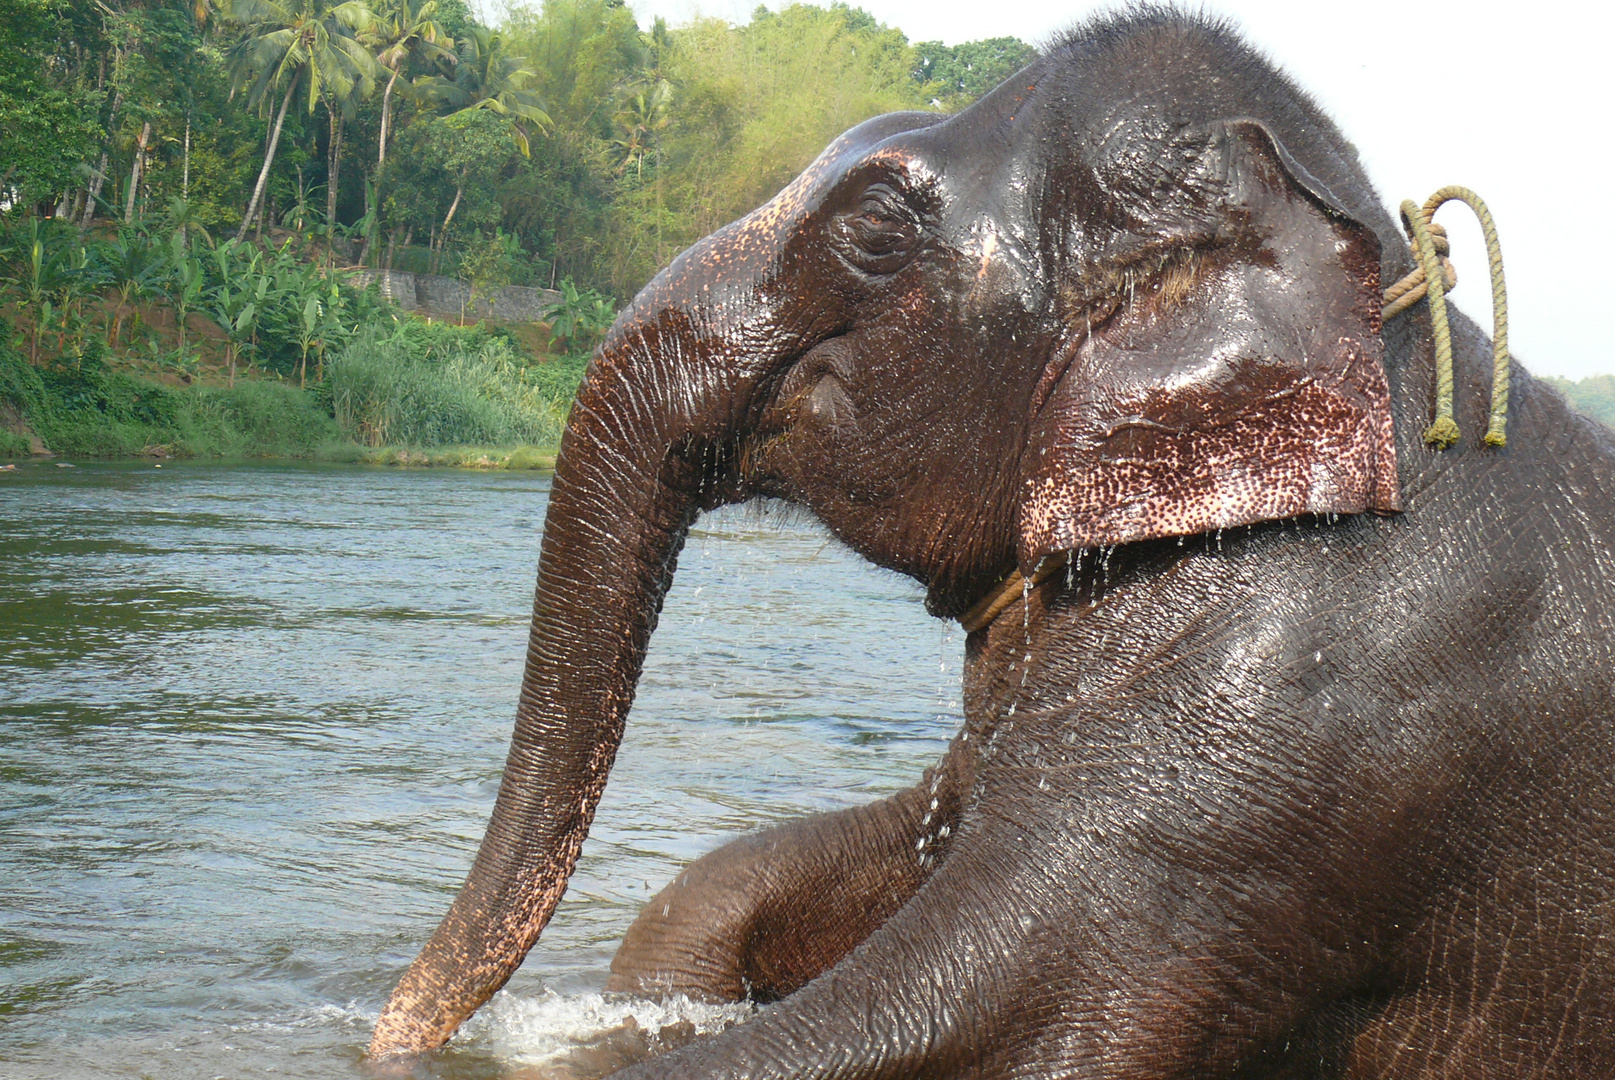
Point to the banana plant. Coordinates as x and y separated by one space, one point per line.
79 278
579 318
46 265
233 300
311 319
265 295
333 328
186 282
135 268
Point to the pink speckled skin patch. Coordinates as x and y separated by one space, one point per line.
1244 386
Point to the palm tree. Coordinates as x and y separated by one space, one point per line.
487 77
400 30
338 107
641 118
292 44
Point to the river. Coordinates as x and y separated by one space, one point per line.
252 719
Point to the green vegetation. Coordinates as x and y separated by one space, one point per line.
84 408
403 132
184 184
1593 396
478 396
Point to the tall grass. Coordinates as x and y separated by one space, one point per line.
382 395
81 407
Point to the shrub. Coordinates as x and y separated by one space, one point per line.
83 408
381 395
12 445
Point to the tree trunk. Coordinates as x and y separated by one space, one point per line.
135 172
185 178
386 123
269 160
100 176
95 190
374 208
333 166
443 235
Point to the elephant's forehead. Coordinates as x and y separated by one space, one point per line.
768 227
729 271
745 253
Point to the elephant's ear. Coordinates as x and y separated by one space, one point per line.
1233 379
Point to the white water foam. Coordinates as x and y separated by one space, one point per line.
538 1031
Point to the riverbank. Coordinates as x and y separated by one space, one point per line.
470 401
511 458
480 458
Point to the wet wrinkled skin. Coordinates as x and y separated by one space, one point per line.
1272 781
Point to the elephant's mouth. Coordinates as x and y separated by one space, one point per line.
815 393
810 398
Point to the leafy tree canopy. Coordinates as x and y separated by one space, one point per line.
598 150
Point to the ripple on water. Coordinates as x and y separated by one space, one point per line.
254 720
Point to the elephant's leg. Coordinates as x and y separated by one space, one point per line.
764 915
1095 917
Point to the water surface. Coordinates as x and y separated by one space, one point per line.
251 725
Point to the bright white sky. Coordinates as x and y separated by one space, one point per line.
1527 120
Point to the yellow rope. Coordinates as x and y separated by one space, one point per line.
1431 278
1006 592
1430 281
1411 289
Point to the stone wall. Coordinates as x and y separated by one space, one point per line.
447 298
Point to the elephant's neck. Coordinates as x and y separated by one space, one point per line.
1019 654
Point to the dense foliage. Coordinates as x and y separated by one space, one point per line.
266 308
80 406
481 395
570 141
185 183
1594 396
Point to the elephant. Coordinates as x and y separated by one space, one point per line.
1287 746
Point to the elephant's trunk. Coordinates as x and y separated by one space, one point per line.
624 494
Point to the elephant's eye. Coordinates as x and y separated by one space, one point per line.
880 231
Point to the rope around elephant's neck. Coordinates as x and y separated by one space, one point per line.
1006 592
1430 280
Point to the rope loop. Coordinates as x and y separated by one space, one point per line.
1430 280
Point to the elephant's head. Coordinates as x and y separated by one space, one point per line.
1101 305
